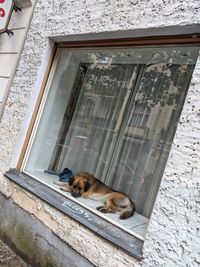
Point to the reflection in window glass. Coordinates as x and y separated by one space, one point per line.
113 113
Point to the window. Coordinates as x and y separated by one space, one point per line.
140 115
113 113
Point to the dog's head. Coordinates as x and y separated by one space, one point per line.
79 185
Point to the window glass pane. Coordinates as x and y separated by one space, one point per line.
140 158
102 98
113 113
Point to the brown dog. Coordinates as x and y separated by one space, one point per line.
86 185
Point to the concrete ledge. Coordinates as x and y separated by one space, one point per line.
33 241
151 32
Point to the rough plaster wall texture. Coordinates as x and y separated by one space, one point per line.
62 18
174 230
122 14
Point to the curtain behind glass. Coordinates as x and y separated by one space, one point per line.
88 144
141 155
123 124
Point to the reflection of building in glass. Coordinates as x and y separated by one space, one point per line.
122 126
140 115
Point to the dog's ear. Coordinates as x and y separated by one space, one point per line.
71 180
86 186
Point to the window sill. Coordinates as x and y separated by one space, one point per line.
98 225
135 225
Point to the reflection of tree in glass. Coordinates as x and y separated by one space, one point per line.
164 84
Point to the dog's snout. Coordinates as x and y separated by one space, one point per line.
75 195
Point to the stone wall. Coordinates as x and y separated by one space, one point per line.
173 234
32 240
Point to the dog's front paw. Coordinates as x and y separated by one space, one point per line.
63 189
102 209
61 183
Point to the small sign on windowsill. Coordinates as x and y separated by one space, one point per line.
6 8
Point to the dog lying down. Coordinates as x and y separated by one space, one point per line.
86 185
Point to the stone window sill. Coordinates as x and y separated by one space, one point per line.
98 225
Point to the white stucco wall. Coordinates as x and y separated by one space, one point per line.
173 236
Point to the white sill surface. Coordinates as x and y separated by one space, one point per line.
135 225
